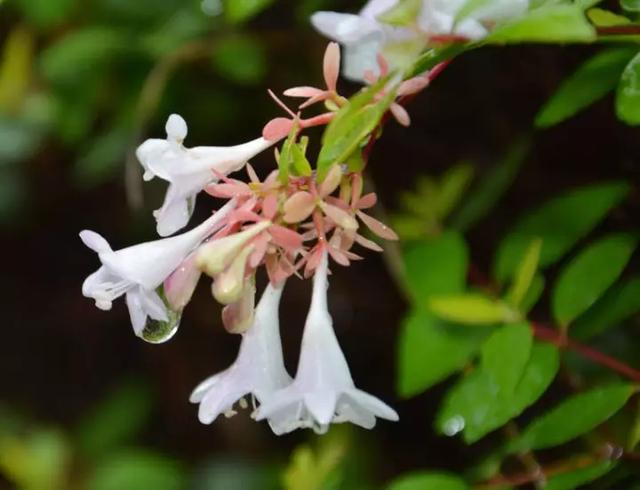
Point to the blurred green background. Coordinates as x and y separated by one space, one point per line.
86 405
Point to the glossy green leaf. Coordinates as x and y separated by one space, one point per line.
428 481
437 266
351 126
606 18
430 350
628 94
630 5
482 197
471 309
589 275
577 478
525 273
533 294
285 157
560 223
240 59
591 81
549 24
300 164
243 10
618 303
562 424
475 406
505 355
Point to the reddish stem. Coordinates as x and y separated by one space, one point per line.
624 30
559 339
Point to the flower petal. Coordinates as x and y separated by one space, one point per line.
331 65
299 207
377 227
303 92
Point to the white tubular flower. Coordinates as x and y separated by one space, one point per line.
438 17
323 389
362 36
188 170
139 270
258 370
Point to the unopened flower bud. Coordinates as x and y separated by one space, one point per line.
238 317
215 256
228 286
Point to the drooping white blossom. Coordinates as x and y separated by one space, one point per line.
258 371
137 271
364 36
323 390
188 170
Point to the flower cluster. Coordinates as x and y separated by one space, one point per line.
290 223
366 35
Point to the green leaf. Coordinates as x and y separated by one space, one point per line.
243 10
15 69
134 469
471 309
301 165
38 459
403 13
505 355
525 273
577 478
45 13
630 5
618 303
591 81
285 158
589 275
351 125
429 350
428 481
549 24
606 18
240 59
437 266
482 198
533 295
116 420
628 94
81 54
453 186
476 407
573 417
560 223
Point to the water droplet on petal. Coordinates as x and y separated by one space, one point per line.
157 332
